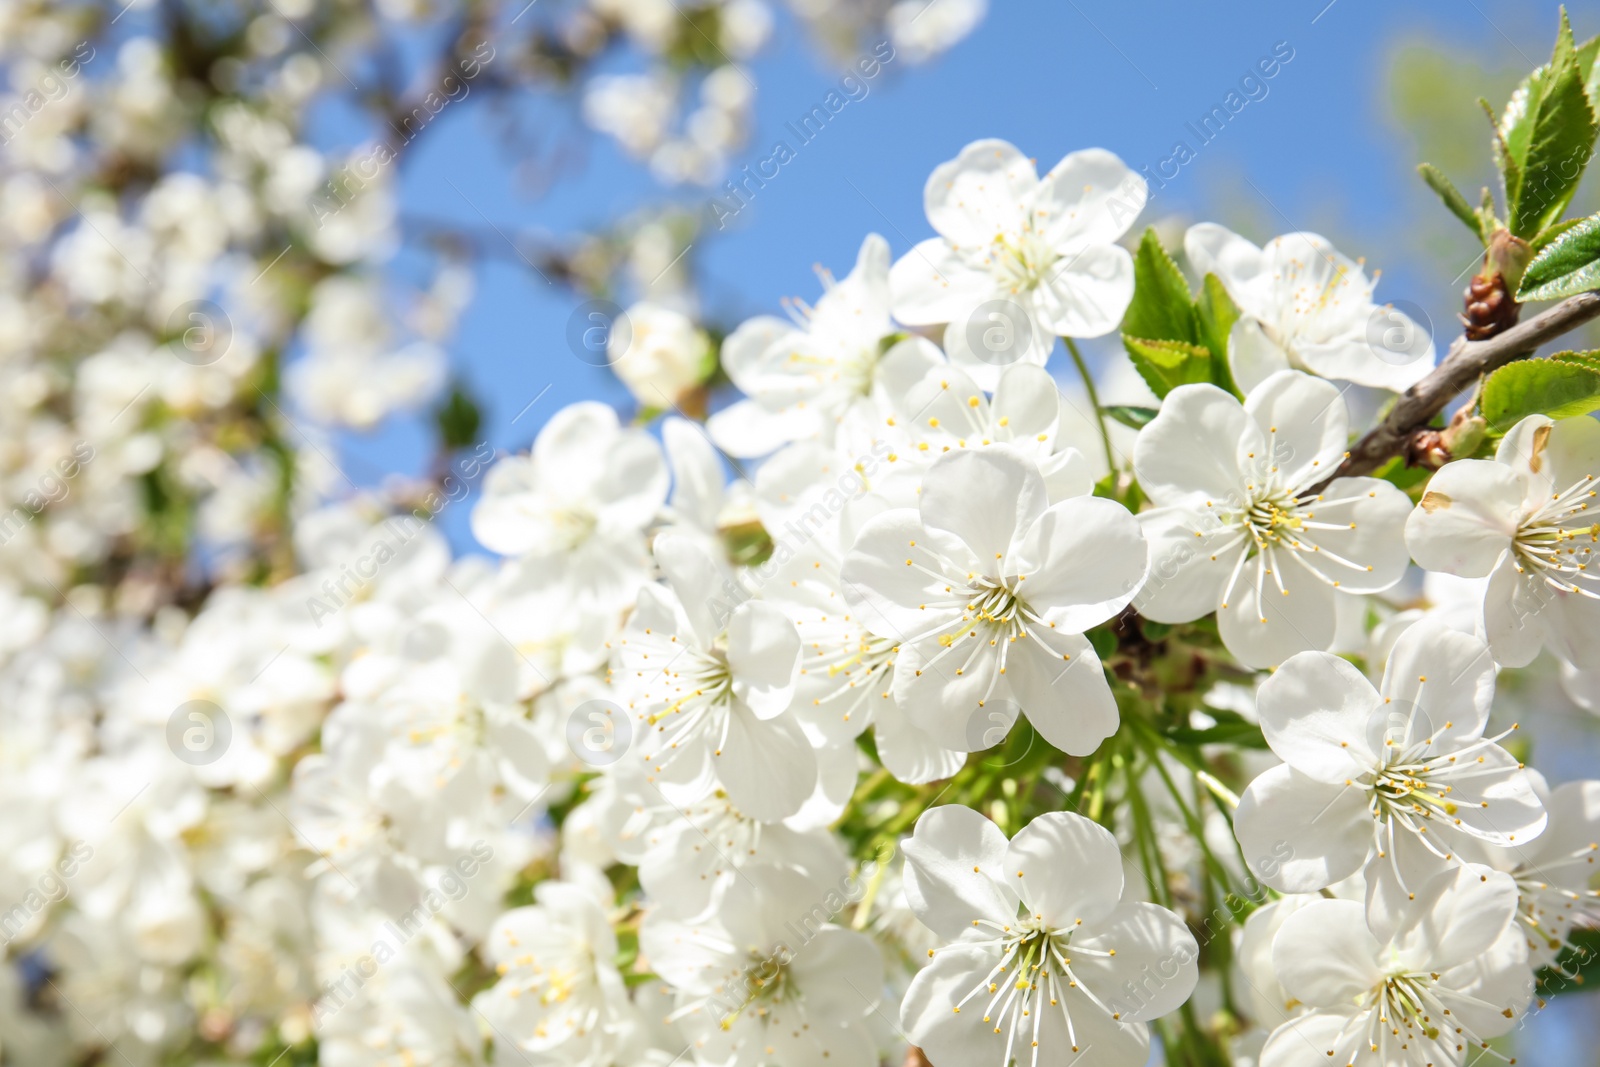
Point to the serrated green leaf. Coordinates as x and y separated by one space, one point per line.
1162 308
1556 388
1549 128
1586 360
1134 417
1505 162
1172 338
1569 264
1453 199
1165 365
1550 233
1217 313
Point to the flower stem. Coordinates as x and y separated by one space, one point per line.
1094 399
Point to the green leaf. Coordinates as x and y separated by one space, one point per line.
458 419
1162 308
1569 264
1172 338
1231 729
1453 199
1549 129
1577 966
1132 417
1551 232
1559 388
1217 313
1486 211
1165 365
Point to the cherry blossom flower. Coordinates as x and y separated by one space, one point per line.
1307 307
1524 520
1239 528
1426 985
987 589
803 378
711 692
1011 240
559 991
769 979
1044 960
1401 772
578 504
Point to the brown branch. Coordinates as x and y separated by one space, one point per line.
1465 363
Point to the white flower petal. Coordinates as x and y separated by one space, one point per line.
1066 868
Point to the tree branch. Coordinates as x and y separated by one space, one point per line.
1465 363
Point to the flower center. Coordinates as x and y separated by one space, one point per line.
573 526
1555 544
1019 263
861 666
1033 976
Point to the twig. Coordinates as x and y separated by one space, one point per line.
1465 363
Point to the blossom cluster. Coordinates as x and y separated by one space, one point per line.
612 799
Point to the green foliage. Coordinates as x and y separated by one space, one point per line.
1565 385
458 419
1457 203
1568 263
1578 964
1544 137
1133 417
1172 337
1231 728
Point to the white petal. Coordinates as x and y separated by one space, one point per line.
697 580
1192 447
767 767
1318 1039
1262 626
1189 567
745 429
1324 954
981 501
1238 264
885 591
1316 713
1084 559
955 866
906 751
1090 197
1306 423
836 971
1066 867
933 283
1059 683
1085 294
1300 835
1467 517
1370 360
1512 608
979 195
764 656
1155 953
1457 915
1447 674
1370 536
1253 357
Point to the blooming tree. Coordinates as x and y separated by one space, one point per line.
914 741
